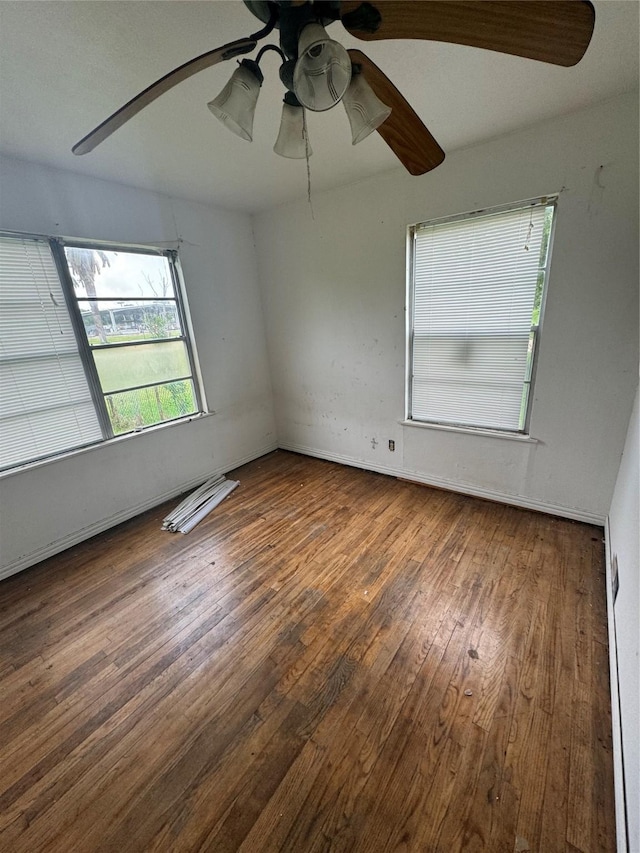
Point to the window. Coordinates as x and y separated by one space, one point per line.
93 344
476 292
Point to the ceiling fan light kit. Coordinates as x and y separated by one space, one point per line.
292 142
318 72
235 106
364 109
322 73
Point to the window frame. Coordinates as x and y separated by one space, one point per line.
57 246
535 331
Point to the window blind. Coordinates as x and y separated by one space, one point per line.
45 403
474 287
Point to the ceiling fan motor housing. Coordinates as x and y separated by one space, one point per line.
291 19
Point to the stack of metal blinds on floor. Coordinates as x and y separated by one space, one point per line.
194 508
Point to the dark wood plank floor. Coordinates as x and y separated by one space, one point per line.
333 661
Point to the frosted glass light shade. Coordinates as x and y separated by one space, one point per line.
365 110
235 105
323 70
291 140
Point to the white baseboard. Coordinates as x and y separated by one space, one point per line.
100 526
622 845
441 483
125 514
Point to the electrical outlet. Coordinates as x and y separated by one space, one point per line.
392 445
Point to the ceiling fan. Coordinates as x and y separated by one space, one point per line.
318 72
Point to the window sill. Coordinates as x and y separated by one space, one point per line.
510 436
39 463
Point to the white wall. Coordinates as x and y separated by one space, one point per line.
51 506
624 531
334 293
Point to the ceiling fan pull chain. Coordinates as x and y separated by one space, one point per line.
307 152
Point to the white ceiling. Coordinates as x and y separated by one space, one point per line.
65 66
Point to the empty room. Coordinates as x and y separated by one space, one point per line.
319 439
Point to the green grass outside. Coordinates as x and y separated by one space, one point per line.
131 410
124 367
127 367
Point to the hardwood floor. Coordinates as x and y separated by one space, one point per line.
333 660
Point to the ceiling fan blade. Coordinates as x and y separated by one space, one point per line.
132 107
556 31
403 131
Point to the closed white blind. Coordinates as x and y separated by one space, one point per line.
45 401
474 289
